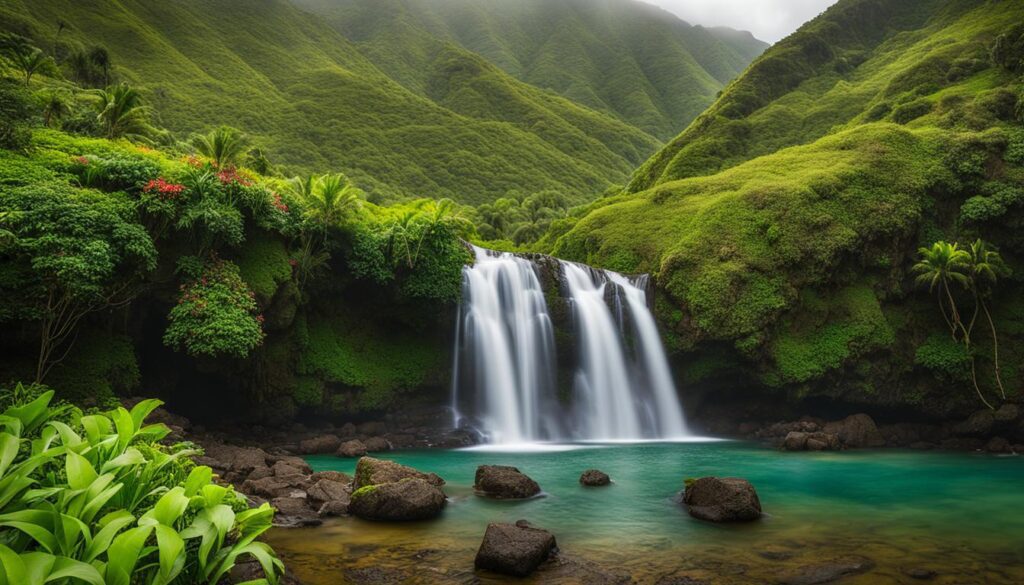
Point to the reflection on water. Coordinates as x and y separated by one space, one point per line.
959 515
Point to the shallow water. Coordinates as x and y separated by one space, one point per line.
960 515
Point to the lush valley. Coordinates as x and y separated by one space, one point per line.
783 224
282 217
465 130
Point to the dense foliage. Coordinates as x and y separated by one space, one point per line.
97 499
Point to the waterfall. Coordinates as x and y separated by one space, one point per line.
505 366
507 341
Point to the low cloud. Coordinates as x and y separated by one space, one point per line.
769 20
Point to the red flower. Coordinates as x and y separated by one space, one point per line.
163 189
82 160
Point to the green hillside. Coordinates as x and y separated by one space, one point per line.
634 61
314 102
783 223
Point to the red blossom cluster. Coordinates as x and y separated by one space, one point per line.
230 175
82 160
278 204
193 161
163 189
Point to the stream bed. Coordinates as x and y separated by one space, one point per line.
866 516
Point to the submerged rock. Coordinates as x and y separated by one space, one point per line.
856 430
408 499
828 571
372 471
594 478
727 499
514 549
504 482
353 448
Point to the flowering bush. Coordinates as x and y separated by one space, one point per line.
216 314
232 176
163 189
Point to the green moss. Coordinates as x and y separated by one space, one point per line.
263 262
309 391
379 363
827 332
944 357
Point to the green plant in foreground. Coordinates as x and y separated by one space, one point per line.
224 146
98 500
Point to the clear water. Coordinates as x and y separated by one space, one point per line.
961 515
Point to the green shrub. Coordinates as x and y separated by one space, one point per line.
911 111
945 357
216 314
99 500
15 112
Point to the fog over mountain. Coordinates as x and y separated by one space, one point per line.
769 20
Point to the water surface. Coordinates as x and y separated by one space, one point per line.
960 515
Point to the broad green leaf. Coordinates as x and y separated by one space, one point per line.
38 566
32 414
125 427
8 450
168 508
80 471
12 567
197 478
96 426
141 410
124 554
36 531
131 456
171 546
67 568
111 524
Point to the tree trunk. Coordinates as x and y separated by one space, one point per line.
995 352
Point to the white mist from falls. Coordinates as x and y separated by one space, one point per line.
505 366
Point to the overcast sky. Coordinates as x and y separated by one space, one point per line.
769 20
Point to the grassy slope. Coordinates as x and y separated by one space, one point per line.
629 59
772 249
317 103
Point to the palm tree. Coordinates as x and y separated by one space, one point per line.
985 268
121 112
302 187
329 198
32 60
941 265
81 67
56 106
224 146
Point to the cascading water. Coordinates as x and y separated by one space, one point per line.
507 348
505 359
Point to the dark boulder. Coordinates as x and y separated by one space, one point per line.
816 441
504 482
293 511
1007 413
514 549
376 444
726 499
371 471
407 499
977 425
594 478
327 490
998 445
331 475
353 448
321 444
856 430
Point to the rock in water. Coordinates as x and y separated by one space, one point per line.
726 499
372 471
407 499
504 482
514 549
857 430
593 478
353 448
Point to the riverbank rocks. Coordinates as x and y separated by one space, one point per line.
504 482
726 499
594 478
800 441
829 571
377 444
321 444
372 471
410 498
514 549
857 431
353 448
